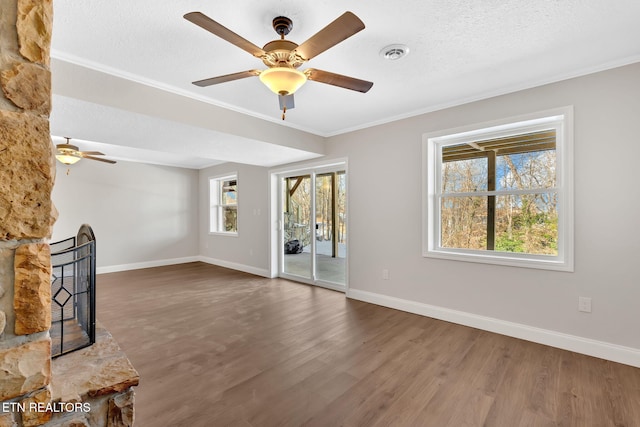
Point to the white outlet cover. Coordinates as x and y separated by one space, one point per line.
584 304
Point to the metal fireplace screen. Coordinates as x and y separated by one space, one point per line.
73 281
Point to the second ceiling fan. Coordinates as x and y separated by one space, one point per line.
284 57
69 154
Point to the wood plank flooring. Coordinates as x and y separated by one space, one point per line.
216 347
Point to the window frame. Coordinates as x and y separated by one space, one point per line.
560 119
217 206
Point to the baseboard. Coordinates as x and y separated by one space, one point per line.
613 352
263 272
145 264
159 263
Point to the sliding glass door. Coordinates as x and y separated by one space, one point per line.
314 231
296 220
331 231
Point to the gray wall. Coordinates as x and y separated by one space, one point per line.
248 251
386 223
142 215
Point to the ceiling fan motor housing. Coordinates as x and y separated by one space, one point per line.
67 148
280 53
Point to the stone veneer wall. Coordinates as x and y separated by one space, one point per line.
27 172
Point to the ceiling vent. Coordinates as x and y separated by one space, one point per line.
394 52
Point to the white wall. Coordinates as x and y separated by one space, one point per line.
385 221
248 251
142 215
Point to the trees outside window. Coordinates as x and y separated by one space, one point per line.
501 194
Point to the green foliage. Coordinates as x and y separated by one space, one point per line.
537 234
505 244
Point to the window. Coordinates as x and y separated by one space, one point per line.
502 194
223 196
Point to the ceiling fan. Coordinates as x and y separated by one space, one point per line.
70 154
284 57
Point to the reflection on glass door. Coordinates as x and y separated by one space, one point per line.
330 227
297 225
314 227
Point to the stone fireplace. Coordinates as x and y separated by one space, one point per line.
92 386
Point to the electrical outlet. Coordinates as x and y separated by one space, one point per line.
385 274
584 304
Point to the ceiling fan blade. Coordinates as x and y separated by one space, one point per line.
99 159
93 153
223 32
341 29
227 78
338 80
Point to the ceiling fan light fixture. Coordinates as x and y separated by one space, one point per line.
67 159
283 80
66 153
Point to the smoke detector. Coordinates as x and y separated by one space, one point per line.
393 52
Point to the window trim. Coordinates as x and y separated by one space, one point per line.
216 206
432 143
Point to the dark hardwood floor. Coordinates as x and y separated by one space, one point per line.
216 347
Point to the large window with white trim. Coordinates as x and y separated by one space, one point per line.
502 194
223 197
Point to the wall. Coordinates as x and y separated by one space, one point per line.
386 223
248 251
142 215
254 249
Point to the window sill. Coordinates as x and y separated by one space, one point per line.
223 233
507 259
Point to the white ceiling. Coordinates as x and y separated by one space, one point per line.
460 51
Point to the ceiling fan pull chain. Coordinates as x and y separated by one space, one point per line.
284 110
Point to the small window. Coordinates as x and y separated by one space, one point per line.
502 194
224 204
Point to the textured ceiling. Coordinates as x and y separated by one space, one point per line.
460 51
